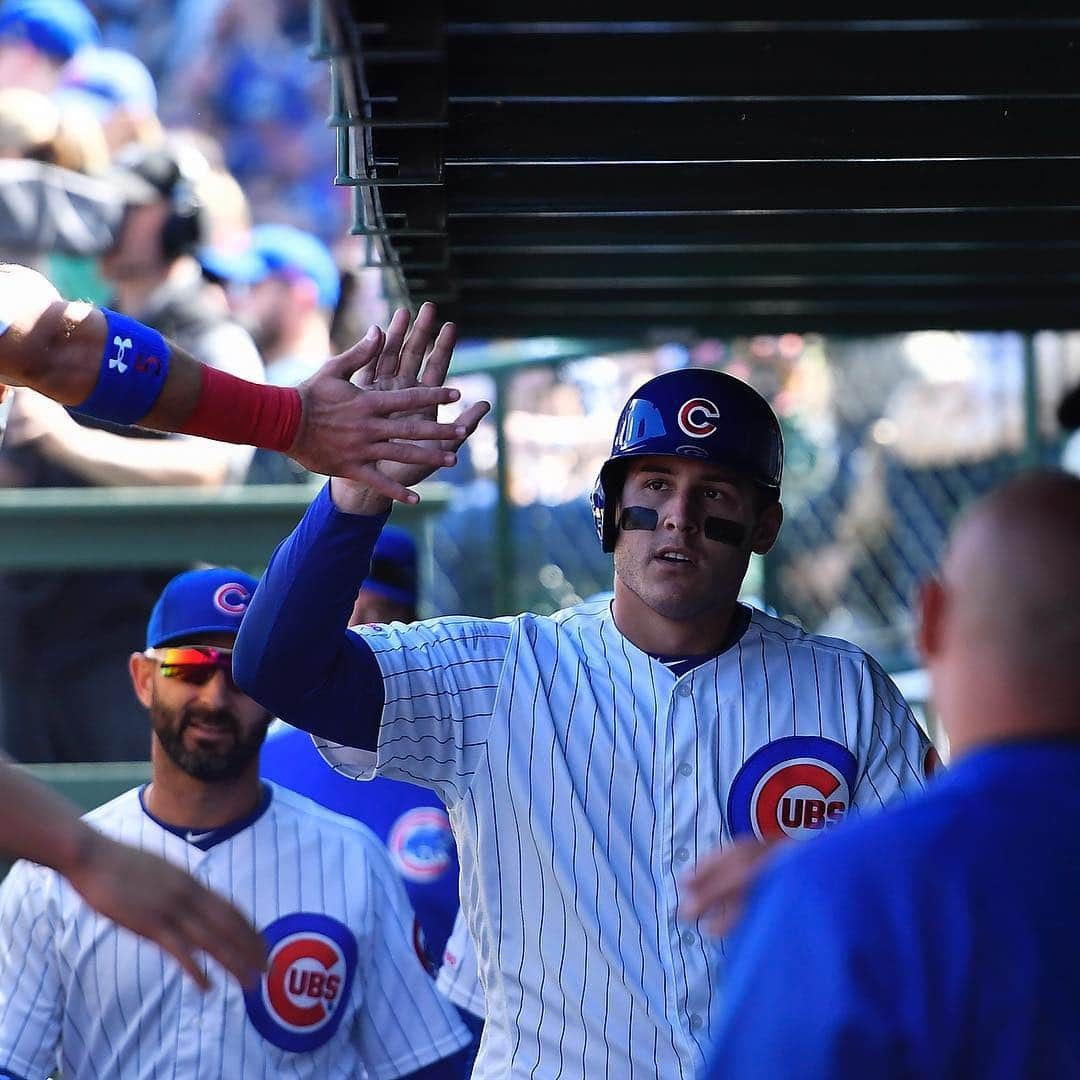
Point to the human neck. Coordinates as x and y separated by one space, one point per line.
179 799
659 635
982 706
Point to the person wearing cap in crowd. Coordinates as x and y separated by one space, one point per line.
284 288
38 37
345 992
409 820
45 693
119 90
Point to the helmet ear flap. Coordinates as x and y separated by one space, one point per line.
605 496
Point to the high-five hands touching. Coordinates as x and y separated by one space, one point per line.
406 366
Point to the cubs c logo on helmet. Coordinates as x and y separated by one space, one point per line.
697 418
232 598
421 844
301 998
792 787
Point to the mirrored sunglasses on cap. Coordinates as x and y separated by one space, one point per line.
193 663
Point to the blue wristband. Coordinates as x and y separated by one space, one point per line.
133 370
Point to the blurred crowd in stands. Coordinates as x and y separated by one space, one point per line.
170 160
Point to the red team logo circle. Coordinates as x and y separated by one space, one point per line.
232 598
304 981
798 796
302 997
421 844
792 787
697 418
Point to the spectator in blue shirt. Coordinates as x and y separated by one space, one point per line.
941 939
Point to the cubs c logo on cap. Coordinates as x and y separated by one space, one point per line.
232 598
421 844
697 418
301 998
792 787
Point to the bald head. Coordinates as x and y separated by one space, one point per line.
1002 636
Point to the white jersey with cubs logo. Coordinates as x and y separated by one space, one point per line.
345 993
584 779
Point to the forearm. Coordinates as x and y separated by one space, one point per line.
55 347
294 653
58 349
39 824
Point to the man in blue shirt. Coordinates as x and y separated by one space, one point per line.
941 939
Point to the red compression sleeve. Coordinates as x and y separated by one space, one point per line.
236 411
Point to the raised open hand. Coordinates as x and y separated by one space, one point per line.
410 369
353 419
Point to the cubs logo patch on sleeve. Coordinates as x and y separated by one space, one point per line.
301 998
792 787
421 844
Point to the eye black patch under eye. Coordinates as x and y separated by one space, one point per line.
724 531
639 518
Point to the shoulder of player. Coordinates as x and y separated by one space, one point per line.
316 818
784 634
116 811
461 630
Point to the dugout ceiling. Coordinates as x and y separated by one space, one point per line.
579 172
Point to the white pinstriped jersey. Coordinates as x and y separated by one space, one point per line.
345 991
584 779
458 980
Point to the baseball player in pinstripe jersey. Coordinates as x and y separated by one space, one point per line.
345 992
587 759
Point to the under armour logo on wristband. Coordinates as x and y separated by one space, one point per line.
134 367
123 345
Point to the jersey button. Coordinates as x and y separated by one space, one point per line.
689 937
682 854
684 689
685 769
696 1022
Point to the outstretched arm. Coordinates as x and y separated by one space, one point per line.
294 654
134 888
72 353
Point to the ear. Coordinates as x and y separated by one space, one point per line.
306 293
141 669
929 629
767 528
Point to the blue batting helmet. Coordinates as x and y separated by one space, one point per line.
696 413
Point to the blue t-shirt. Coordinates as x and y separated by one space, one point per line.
938 940
410 820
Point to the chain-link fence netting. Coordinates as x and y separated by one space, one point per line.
887 439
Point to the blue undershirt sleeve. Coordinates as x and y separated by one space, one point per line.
294 653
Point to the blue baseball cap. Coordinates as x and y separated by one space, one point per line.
393 566
59 28
108 79
279 249
200 602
